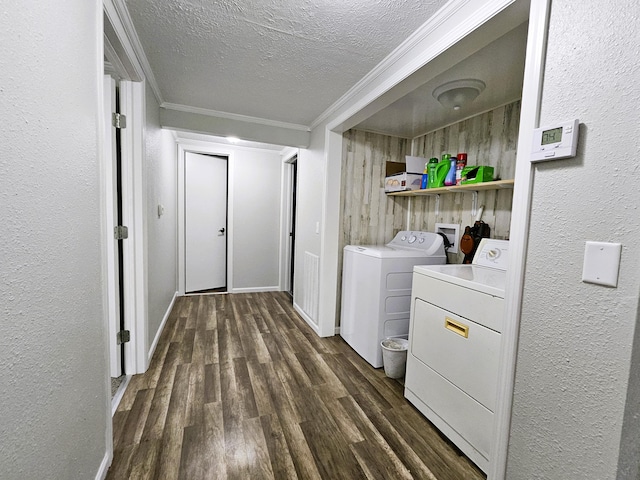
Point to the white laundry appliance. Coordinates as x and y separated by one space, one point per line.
454 346
376 289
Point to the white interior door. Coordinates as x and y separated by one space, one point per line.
205 222
111 218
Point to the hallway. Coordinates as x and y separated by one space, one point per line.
240 387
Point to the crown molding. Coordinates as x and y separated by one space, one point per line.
234 116
405 48
405 60
121 21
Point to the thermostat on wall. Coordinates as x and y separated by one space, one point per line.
555 142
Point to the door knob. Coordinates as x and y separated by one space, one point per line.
221 230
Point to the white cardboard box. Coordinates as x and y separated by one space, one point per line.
415 164
403 181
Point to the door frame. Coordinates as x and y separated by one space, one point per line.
288 222
185 147
134 217
124 65
109 210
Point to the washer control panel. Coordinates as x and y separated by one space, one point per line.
492 253
414 239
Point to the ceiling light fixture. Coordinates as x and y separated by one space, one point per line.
458 93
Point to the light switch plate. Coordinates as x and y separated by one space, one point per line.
601 263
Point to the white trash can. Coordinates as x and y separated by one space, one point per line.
394 356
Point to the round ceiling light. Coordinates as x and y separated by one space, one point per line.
458 93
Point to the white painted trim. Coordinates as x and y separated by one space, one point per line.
519 232
115 401
105 162
288 153
112 12
135 52
274 288
410 55
154 344
132 103
185 147
283 248
231 168
182 150
109 211
234 116
307 319
113 63
286 221
101 474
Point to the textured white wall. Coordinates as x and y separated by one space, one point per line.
575 380
257 193
161 232
311 164
53 398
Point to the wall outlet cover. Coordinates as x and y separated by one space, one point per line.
601 263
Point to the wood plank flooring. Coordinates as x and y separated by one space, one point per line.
240 387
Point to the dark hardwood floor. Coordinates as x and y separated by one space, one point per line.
241 388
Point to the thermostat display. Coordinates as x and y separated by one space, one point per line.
555 142
551 136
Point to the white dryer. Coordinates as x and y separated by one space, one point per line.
454 345
376 289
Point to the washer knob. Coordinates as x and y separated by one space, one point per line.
403 238
412 238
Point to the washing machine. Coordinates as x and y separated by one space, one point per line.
454 346
376 289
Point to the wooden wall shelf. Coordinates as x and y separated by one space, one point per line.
473 187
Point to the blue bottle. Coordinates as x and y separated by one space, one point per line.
450 179
425 177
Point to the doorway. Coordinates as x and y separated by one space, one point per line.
114 214
293 178
206 204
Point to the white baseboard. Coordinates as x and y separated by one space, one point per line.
115 401
255 289
104 466
152 349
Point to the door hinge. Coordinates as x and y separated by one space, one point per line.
119 120
120 232
123 336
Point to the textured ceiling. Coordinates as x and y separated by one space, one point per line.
286 60
500 65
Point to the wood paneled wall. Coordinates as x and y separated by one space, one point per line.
488 139
369 216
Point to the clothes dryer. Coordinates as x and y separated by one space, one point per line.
454 347
376 289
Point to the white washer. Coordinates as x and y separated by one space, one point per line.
376 289
454 346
